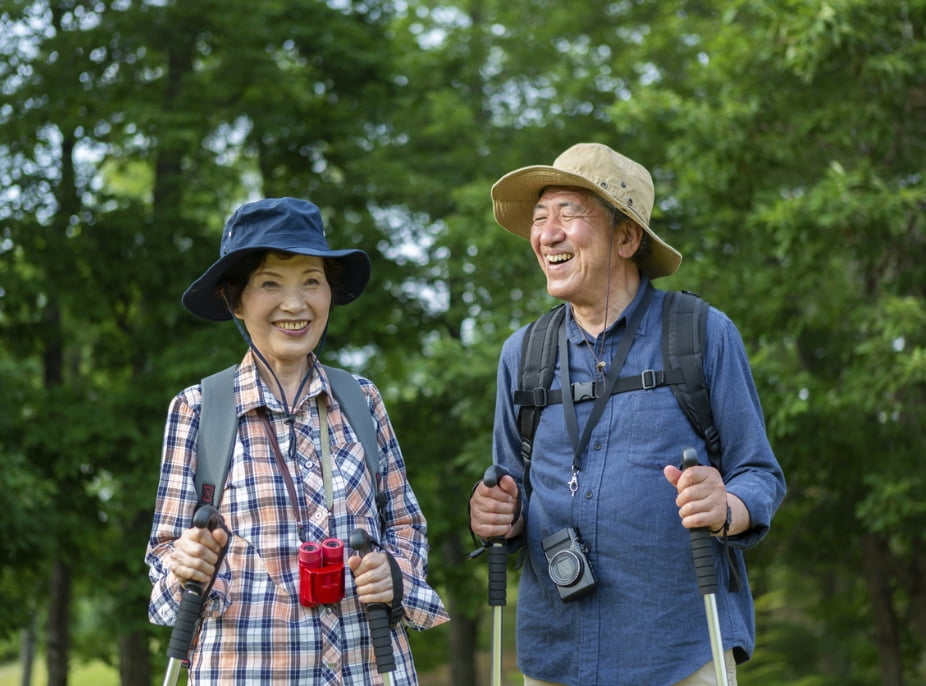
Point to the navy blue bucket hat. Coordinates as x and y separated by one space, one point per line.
284 224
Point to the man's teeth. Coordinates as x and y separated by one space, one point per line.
562 257
292 325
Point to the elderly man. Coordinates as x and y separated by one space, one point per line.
604 482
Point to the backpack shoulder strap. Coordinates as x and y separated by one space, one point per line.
684 338
535 374
218 424
352 400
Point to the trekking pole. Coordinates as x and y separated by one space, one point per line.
702 552
378 616
498 567
191 602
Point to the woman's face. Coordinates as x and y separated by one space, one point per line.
285 306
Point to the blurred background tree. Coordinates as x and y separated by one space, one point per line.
786 139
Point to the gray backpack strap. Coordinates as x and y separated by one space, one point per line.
218 426
353 402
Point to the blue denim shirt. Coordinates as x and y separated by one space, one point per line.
645 623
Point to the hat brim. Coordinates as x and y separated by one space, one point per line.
515 195
202 299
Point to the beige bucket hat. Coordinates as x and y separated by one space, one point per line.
616 179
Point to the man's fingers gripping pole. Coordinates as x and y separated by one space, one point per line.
498 564
702 552
191 602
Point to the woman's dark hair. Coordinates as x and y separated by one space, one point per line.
236 277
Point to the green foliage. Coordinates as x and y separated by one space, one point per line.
786 139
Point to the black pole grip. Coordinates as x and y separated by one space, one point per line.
702 547
493 475
191 605
191 600
380 635
498 556
377 613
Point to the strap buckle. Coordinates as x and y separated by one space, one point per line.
648 379
584 390
539 397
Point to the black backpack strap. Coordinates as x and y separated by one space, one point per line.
535 374
354 404
218 426
684 341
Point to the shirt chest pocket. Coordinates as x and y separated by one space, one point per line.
656 430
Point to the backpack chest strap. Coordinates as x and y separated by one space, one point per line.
589 390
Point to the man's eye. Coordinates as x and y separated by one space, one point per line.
539 218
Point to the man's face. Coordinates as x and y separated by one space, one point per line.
571 235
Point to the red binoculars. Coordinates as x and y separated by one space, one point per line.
321 572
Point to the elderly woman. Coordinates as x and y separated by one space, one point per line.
297 477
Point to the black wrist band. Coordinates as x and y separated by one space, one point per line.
396 611
725 529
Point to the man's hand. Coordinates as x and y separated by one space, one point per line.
703 498
492 510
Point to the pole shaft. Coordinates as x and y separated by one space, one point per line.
497 646
713 627
173 671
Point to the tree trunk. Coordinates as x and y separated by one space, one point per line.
462 628
877 565
27 651
134 660
462 650
59 636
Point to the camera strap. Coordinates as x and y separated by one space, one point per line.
620 355
284 470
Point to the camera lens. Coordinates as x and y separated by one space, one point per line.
565 568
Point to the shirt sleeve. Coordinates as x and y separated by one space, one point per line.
405 526
173 511
748 464
506 445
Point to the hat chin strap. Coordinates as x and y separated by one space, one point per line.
289 411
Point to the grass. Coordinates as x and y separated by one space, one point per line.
100 674
90 674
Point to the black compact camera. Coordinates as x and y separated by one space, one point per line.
567 565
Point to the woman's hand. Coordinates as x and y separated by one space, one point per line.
373 577
196 552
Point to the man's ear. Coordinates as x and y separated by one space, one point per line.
628 237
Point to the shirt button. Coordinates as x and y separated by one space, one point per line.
588 495
597 445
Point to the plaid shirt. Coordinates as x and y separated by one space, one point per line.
254 629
